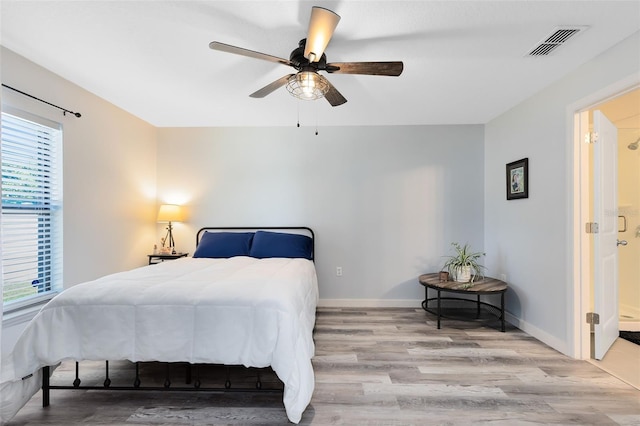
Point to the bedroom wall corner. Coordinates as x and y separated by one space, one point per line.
109 170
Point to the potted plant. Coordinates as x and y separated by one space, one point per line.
464 266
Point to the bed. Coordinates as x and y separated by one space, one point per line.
244 298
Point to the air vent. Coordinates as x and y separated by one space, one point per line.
554 40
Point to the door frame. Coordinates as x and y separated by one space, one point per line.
579 243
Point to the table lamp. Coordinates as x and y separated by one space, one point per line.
170 213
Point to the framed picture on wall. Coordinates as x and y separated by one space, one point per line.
518 179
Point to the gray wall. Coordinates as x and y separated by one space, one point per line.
385 202
530 240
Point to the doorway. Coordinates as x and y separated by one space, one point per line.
623 110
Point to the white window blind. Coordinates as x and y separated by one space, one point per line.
31 211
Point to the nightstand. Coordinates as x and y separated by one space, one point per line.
159 258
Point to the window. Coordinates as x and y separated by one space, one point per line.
31 210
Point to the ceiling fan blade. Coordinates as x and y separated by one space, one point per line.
366 68
261 93
321 26
216 45
334 97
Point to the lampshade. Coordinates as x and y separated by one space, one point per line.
170 213
307 85
321 26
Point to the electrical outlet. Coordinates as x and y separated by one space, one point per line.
339 271
503 277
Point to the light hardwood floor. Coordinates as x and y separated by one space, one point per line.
388 367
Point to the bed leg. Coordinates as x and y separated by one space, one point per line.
45 386
167 381
76 382
258 380
107 381
136 382
196 383
227 383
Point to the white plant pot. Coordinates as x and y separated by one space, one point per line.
463 274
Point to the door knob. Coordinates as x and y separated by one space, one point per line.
621 242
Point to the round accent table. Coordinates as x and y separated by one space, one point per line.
486 286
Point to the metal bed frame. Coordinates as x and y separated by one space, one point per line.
137 385
192 385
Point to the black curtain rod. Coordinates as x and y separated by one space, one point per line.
64 110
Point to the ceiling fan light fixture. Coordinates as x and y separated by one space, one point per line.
321 27
308 85
309 58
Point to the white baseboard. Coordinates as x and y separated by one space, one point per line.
543 336
370 303
629 326
629 319
632 313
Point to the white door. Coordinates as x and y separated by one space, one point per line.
605 155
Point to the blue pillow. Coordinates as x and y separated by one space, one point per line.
224 244
275 244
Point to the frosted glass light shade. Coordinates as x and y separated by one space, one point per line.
321 26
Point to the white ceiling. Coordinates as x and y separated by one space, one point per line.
465 62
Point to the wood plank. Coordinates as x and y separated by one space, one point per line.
386 366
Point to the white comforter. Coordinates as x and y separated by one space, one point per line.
244 311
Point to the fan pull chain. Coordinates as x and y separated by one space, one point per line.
316 108
298 112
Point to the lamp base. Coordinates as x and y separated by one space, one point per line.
168 239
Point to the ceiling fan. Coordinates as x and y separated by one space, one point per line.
309 58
